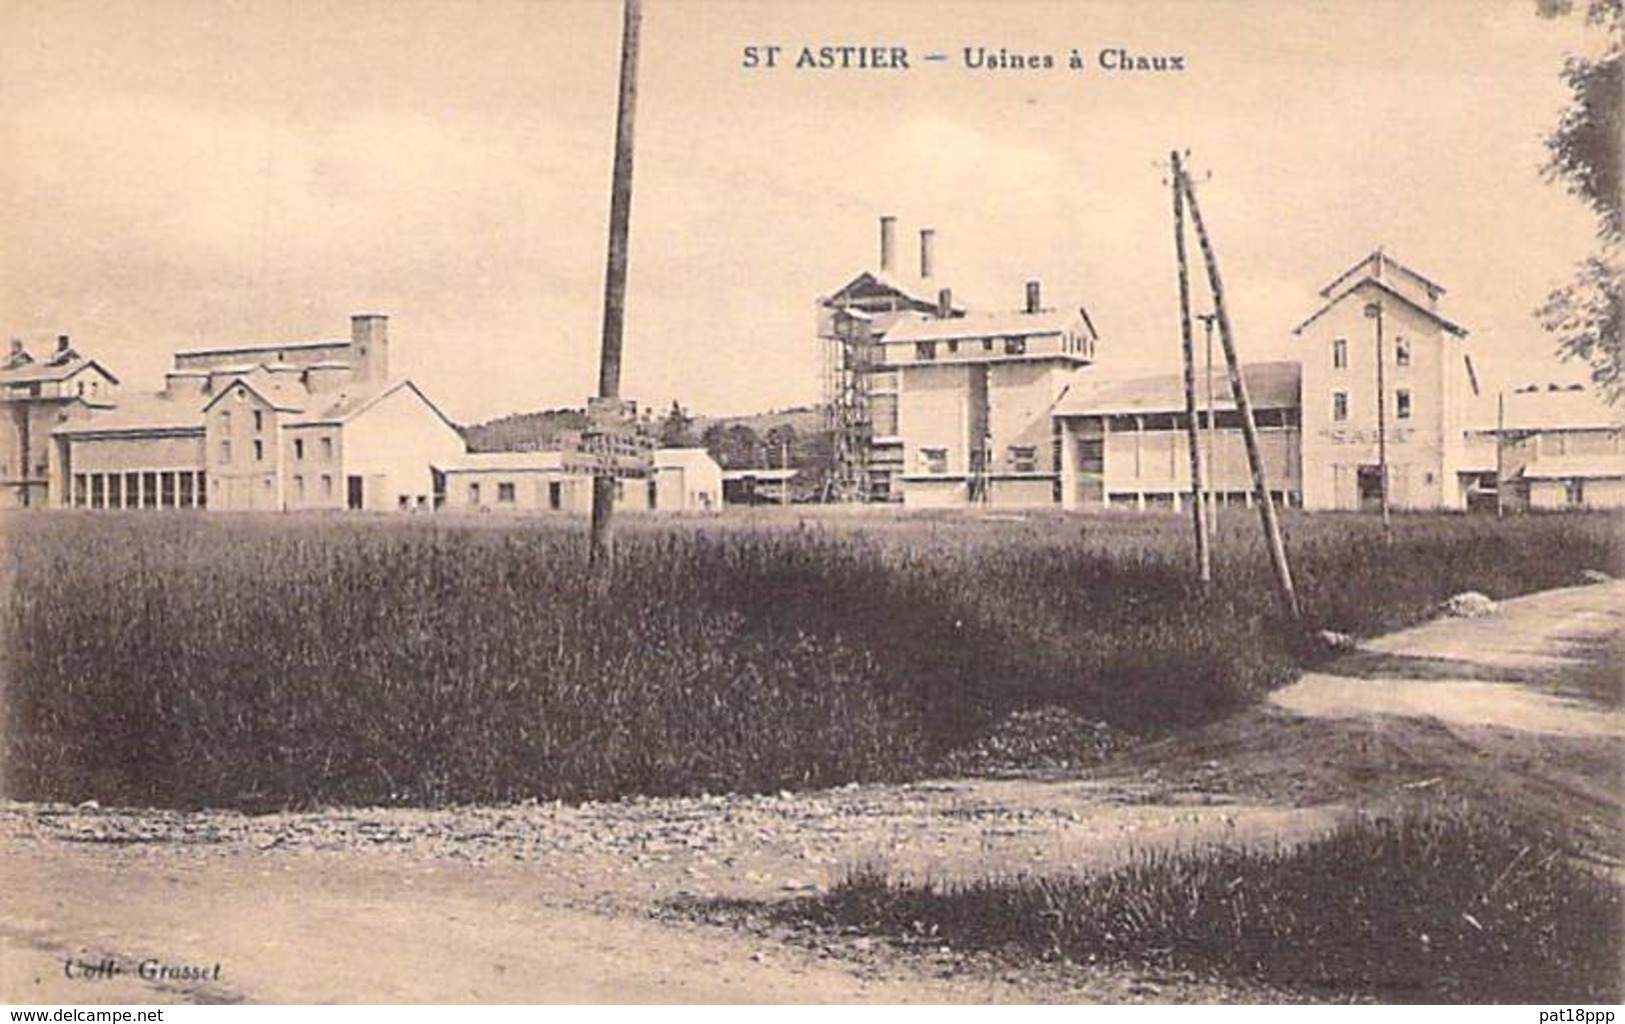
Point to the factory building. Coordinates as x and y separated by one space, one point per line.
302 425
1125 443
938 406
37 397
680 480
295 426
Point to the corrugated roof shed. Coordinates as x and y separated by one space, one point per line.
1274 385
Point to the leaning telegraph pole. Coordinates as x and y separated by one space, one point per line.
601 550
1204 558
1244 405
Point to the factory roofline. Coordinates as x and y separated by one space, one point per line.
141 414
1274 385
262 347
1398 296
40 373
1432 288
982 325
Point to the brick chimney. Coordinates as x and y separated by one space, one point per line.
888 243
928 238
18 356
945 303
369 346
1033 303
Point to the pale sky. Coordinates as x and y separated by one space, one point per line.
182 174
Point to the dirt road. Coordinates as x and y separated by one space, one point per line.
546 903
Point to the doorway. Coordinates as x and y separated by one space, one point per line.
353 492
1369 482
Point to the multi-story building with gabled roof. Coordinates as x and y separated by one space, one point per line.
37 397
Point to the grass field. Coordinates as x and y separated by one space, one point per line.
1453 908
258 662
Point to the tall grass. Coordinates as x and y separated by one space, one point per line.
187 660
1447 908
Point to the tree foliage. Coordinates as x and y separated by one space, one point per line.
1584 155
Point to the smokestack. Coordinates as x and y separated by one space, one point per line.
63 344
369 346
945 303
888 242
1032 297
928 237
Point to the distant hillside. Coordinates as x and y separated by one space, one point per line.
523 431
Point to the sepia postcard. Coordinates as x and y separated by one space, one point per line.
520 502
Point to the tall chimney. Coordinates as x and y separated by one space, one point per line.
369 346
888 242
63 343
928 237
1032 297
945 303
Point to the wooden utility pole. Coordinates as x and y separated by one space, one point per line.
601 552
1244 406
1204 559
1500 453
1212 428
1373 311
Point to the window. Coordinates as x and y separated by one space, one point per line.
506 492
225 451
225 419
555 495
1023 458
1402 352
299 488
474 494
327 486
259 450
987 344
327 449
1340 354
1402 402
934 460
925 350
953 348
1091 454
1015 346
299 449
1340 406
259 421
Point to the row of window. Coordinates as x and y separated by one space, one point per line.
258 449
150 489
1340 353
925 351
1402 405
1223 499
326 484
1019 458
507 493
1224 419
